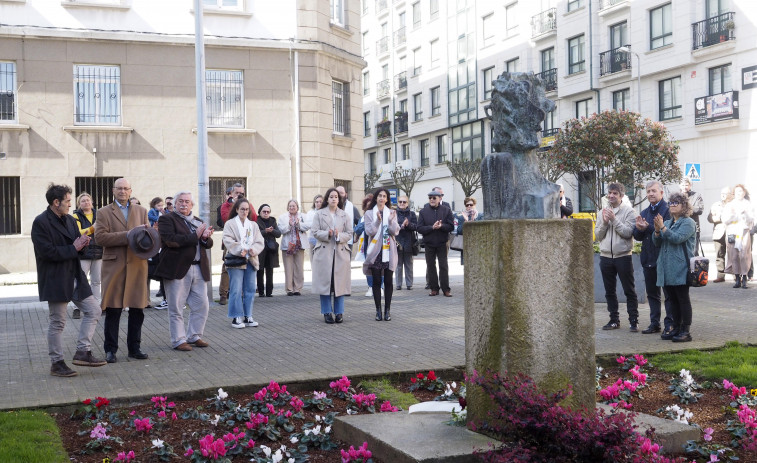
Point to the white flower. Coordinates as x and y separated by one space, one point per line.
266 450
277 457
454 385
291 460
157 443
327 430
222 394
317 430
214 421
308 431
448 390
317 418
351 412
294 440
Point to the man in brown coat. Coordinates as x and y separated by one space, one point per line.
124 275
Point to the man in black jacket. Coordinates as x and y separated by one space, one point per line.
435 222
60 279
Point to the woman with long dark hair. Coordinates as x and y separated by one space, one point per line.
381 229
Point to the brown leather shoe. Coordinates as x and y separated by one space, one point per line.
433 293
447 294
199 343
183 347
718 280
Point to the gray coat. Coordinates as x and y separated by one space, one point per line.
372 226
329 254
676 245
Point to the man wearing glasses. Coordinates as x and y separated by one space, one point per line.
435 222
124 274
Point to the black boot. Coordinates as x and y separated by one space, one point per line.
738 282
387 317
683 334
743 281
669 333
378 314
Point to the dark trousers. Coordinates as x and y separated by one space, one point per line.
435 281
268 273
680 305
620 267
388 282
720 256
653 297
133 333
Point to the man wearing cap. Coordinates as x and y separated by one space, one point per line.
185 269
124 273
57 243
435 222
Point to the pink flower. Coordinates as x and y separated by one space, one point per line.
271 409
640 360
133 412
189 452
173 416
387 407
162 414
621 359
727 384
171 405
250 444
296 403
708 434
143 424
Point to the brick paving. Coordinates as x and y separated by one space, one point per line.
293 344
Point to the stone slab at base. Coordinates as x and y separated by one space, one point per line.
529 305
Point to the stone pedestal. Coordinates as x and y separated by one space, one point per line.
529 305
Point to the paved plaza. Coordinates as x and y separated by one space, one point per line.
293 344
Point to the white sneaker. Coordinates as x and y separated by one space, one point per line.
237 322
250 322
369 293
162 306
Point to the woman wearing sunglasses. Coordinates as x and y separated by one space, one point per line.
676 238
470 214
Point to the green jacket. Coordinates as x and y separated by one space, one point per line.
676 245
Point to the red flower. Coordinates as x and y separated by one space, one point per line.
421 376
101 402
86 401
413 380
431 375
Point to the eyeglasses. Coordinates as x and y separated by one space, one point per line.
402 202
265 212
433 197
469 205
674 203
243 209
121 188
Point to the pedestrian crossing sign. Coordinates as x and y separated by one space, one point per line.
693 172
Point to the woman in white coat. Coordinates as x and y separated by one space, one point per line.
292 226
738 218
381 229
242 237
332 230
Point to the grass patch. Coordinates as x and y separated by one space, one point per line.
30 436
385 391
734 362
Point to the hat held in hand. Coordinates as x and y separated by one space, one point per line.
144 241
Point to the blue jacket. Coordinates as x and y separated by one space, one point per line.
649 251
676 246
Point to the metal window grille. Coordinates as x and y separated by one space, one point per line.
344 183
97 91
100 188
10 205
340 107
224 97
217 193
7 91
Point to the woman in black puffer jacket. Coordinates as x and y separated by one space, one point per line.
405 241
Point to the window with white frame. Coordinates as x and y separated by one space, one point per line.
385 113
719 78
97 95
436 104
367 124
576 60
620 99
511 19
549 122
488 82
372 162
488 29
337 12
433 9
387 155
424 153
441 148
416 15
661 26
340 103
582 108
512 65
406 151
224 94
435 53
366 44
221 4
671 98
417 106
8 92
367 83
574 4
417 61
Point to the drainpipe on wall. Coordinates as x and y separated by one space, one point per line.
296 104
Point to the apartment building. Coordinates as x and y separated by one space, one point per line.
93 90
690 64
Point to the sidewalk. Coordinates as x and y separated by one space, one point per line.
293 343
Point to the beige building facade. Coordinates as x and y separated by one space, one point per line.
107 90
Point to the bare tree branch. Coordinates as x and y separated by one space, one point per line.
405 179
468 173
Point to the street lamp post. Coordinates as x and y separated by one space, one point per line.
626 49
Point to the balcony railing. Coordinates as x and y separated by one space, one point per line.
382 45
400 81
544 22
550 79
383 130
716 108
399 37
380 6
382 89
608 3
713 30
400 122
614 61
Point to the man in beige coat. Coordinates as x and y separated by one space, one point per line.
124 275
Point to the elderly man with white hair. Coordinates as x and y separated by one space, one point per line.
185 269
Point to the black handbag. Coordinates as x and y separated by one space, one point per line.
232 260
272 245
416 245
698 270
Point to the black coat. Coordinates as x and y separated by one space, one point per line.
406 236
179 249
426 219
57 259
93 251
649 251
269 258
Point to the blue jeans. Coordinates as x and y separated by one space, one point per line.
326 304
241 291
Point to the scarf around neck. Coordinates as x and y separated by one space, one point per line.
245 232
383 233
